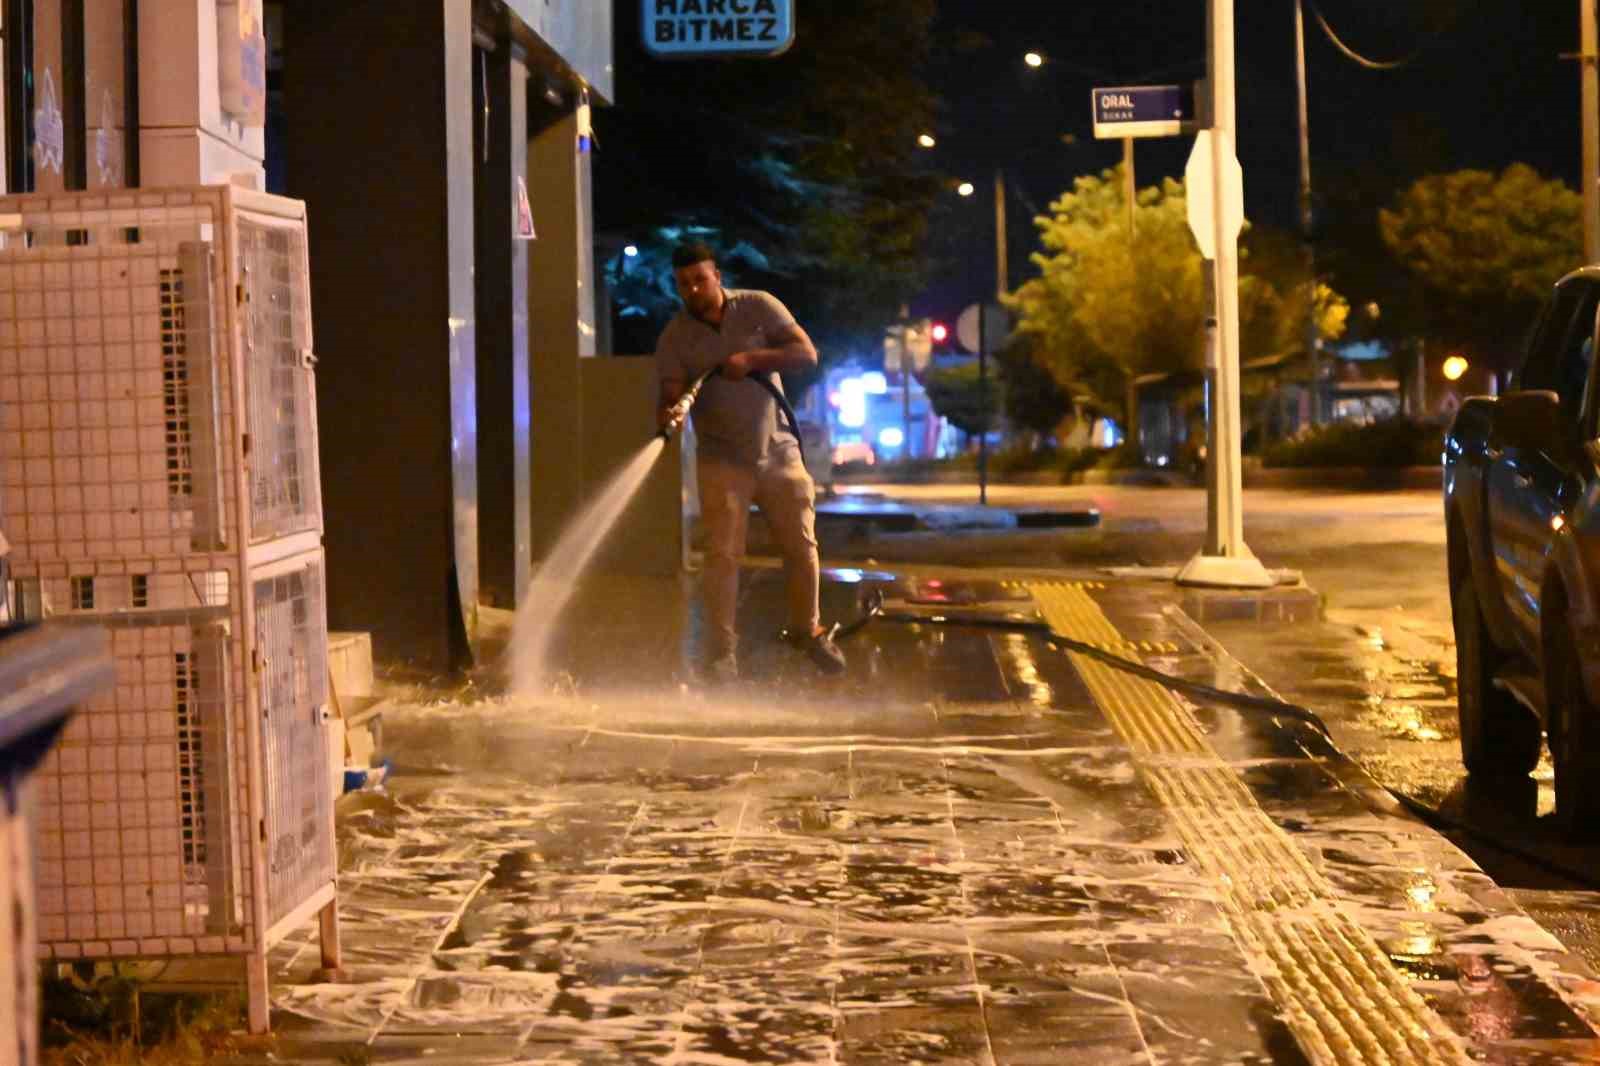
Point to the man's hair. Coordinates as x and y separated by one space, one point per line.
691 252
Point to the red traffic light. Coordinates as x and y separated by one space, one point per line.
940 332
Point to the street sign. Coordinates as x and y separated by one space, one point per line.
1199 190
914 338
996 328
1141 110
686 29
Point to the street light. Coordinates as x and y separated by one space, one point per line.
1454 367
630 250
1033 59
926 140
965 189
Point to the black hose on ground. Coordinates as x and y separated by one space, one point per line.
872 608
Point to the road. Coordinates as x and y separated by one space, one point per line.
1379 667
1377 558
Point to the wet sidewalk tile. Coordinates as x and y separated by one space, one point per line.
952 856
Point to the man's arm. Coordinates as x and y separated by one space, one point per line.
669 377
668 392
791 350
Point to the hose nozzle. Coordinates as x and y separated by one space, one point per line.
680 410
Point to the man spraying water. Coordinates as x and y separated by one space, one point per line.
745 454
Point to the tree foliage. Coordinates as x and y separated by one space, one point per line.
958 396
1485 248
1106 308
1032 398
808 162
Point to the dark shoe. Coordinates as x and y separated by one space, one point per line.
822 651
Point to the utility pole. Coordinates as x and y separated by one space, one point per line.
1000 271
1130 190
905 382
1313 350
1590 42
1001 285
1224 560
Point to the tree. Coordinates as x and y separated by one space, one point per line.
957 395
1485 248
1107 308
807 161
1032 397
1273 293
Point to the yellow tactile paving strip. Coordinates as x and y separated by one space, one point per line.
1339 993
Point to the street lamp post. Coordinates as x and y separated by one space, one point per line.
1002 284
1590 43
1130 189
1313 348
1224 560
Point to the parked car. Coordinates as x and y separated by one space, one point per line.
856 451
1522 507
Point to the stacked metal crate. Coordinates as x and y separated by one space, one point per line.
158 475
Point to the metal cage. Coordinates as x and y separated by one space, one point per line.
158 475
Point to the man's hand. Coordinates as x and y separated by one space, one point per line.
737 366
671 391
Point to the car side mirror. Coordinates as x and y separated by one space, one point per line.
1532 417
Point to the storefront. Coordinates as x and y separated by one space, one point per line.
442 149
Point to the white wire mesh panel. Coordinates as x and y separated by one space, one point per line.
19 996
111 385
276 338
291 632
143 813
122 495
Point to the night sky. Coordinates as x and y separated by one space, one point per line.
1486 87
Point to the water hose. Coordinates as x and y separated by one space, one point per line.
680 410
872 608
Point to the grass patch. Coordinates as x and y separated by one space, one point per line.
108 1018
1387 444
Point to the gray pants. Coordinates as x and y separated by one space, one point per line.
783 491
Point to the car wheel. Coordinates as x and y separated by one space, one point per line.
1574 739
1499 736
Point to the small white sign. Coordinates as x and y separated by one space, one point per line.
108 143
525 230
1139 111
49 130
1199 188
994 323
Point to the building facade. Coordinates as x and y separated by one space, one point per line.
442 150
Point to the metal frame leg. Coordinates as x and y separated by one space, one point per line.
328 937
256 996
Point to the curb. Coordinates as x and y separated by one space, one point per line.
1343 477
1131 476
1255 476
